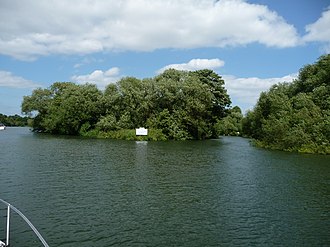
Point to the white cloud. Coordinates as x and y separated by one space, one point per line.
195 64
7 79
245 91
99 77
86 61
29 28
319 31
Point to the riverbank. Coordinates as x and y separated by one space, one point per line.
307 148
125 134
157 135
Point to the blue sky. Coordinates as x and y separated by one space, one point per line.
252 44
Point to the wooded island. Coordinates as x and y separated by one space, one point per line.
182 105
176 105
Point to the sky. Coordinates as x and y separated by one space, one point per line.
252 44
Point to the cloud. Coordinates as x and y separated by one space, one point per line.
99 77
7 79
195 64
245 91
30 29
319 31
86 61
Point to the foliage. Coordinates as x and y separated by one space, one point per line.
175 105
295 116
231 124
64 108
14 120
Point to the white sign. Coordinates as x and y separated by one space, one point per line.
141 132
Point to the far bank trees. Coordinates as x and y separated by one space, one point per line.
14 120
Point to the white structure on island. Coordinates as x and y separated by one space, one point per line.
141 132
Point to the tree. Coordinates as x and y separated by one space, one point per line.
37 104
295 116
14 120
220 98
177 104
231 124
63 108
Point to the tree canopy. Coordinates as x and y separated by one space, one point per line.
14 120
295 116
183 105
176 104
64 107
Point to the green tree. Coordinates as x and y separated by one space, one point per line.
231 124
73 106
37 104
175 104
295 116
220 98
14 120
63 108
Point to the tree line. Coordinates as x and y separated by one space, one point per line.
181 105
176 105
295 116
14 120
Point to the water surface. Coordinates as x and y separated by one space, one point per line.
225 192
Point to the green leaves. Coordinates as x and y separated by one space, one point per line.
63 108
183 105
231 124
295 116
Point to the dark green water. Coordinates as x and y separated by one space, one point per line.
82 192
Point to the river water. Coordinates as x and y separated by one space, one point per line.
225 192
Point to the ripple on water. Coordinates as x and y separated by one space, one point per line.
82 192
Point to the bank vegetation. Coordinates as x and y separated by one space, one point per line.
294 116
181 105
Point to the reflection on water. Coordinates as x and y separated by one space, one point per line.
86 192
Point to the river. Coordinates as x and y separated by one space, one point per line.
224 192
